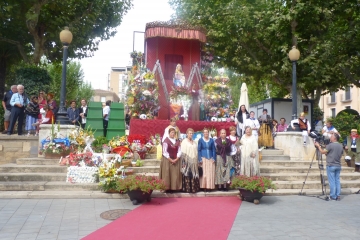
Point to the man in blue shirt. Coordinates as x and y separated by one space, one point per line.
73 113
7 107
18 103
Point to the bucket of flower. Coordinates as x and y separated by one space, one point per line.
55 148
139 187
253 188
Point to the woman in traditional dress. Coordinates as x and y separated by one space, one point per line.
207 158
265 136
189 160
249 154
235 152
170 163
224 161
241 116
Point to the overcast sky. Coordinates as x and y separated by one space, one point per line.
116 51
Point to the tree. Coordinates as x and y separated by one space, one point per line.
33 26
253 38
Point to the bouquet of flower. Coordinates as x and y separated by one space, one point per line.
136 138
118 141
255 183
179 93
82 138
138 147
57 145
140 182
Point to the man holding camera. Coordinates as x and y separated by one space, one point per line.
333 152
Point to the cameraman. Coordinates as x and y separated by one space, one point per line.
333 152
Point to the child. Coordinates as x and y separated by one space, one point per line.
47 117
32 112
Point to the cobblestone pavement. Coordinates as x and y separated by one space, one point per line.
298 217
283 217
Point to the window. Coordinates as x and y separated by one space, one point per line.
171 60
103 99
347 93
332 97
333 112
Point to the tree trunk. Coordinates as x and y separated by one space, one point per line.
2 75
38 51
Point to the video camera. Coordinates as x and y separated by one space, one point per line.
318 137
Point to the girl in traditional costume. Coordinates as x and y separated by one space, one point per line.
265 136
235 151
224 162
241 116
207 159
249 154
170 165
172 125
189 159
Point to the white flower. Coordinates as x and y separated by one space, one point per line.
146 93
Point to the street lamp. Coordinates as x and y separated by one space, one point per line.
294 55
65 38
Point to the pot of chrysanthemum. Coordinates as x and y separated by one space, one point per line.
253 188
139 187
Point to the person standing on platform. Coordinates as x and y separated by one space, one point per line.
249 154
172 125
189 161
106 114
241 116
52 103
170 166
304 125
7 107
235 151
352 149
254 124
224 161
207 159
333 152
32 112
73 113
18 103
265 138
83 110
282 127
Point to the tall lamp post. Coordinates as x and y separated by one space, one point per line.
65 38
294 56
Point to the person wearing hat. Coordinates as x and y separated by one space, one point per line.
352 143
304 125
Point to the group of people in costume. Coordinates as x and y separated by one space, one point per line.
191 165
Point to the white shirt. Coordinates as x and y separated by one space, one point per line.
253 123
233 147
83 119
106 110
297 121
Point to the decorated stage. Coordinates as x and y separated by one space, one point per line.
152 127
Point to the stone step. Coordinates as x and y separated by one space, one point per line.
147 169
47 186
272 152
22 186
15 168
314 184
5 177
275 157
37 161
295 170
311 176
151 162
286 163
150 156
308 192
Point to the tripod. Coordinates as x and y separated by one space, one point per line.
318 156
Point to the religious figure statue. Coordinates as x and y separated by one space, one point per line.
179 77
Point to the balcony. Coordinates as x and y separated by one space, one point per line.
330 100
346 97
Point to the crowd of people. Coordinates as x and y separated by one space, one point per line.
208 163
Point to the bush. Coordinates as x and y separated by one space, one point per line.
344 123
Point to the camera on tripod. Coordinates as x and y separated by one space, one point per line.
318 137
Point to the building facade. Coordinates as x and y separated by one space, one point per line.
118 81
335 102
103 96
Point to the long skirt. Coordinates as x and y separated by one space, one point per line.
222 173
171 174
265 138
190 184
237 161
207 180
29 121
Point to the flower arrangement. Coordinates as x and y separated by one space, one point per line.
118 141
140 182
59 146
255 183
109 173
178 93
138 147
98 144
82 138
136 138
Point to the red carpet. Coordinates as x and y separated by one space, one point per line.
174 218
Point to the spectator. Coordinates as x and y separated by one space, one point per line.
73 113
329 129
106 114
83 110
52 103
304 126
32 112
18 102
7 107
282 127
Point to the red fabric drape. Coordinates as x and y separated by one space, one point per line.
171 60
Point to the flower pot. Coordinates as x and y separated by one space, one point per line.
55 155
137 196
250 196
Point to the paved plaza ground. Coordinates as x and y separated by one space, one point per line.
283 217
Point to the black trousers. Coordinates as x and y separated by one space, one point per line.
82 125
105 125
17 114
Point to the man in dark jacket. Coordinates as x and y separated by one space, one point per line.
83 110
7 107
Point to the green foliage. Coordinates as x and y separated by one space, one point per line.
344 123
318 113
140 182
255 183
98 143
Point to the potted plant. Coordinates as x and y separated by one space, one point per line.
139 187
252 188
